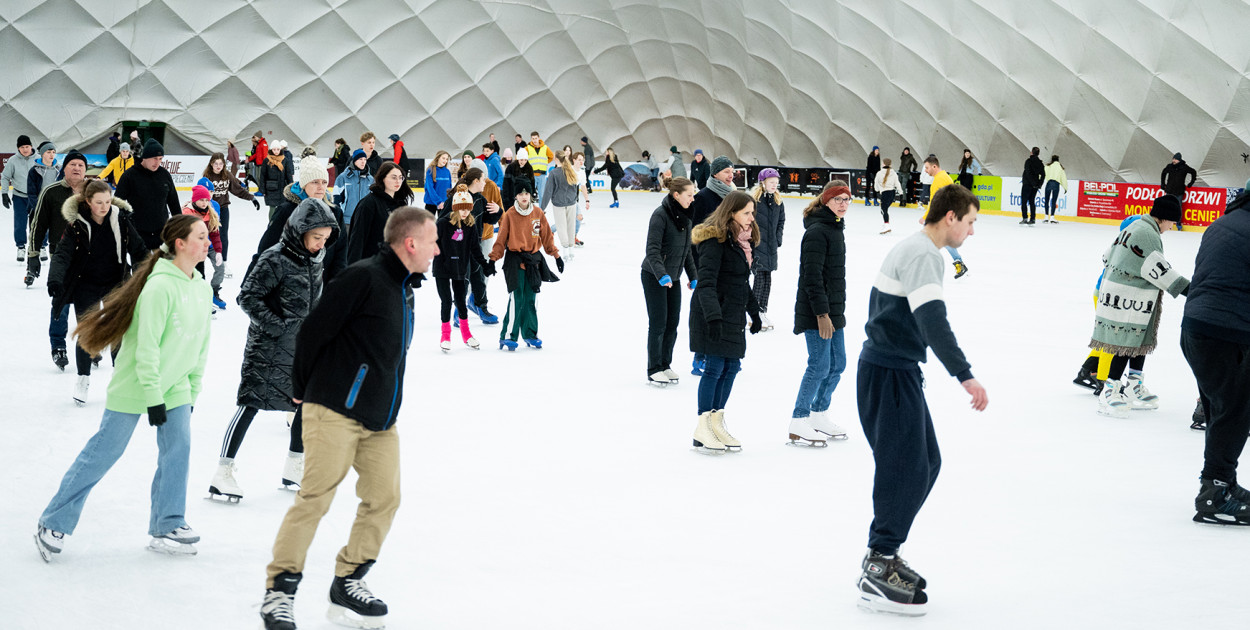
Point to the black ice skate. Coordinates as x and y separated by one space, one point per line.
278 610
883 587
960 269
352 604
1218 504
1086 378
1199 418
60 358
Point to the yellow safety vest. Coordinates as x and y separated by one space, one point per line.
537 158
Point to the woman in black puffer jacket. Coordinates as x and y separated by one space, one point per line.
718 312
668 253
819 312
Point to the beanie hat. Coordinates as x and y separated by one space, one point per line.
199 192
152 149
1176 156
394 137
23 140
506 154
721 163
125 146
46 145
523 186
698 151
1167 207
876 148
74 155
768 172
468 153
462 200
672 149
584 139
311 170
207 183
357 154
478 164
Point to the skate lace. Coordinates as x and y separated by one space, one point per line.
358 590
279 606
897 581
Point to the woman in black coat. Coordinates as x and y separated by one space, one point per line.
389 191
819 312
668 252
277 295
91 260
870 177
718 311
272 177
613 166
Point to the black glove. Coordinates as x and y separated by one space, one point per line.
489 269
713 330
560 264
156 415
54 290
255 204
7 203
1185 291
756 323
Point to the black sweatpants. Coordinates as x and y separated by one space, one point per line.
887 200
896 421
451 290
1028 202
1222 370
663 318
589 170
243 419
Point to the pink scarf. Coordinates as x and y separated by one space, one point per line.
744 241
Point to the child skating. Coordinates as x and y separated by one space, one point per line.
523 235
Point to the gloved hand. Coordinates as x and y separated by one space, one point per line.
217 258
7 203
713 330
489 269
666 281
255 204
560 264
54 290
756 323
694 284
156 415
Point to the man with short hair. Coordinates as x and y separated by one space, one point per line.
941 179
348 373
44 172
906 316
494 168
49 221
15 176
367 143
589 152
150 191
540 156
1031 181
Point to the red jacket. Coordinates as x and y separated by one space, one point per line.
258 154
399 150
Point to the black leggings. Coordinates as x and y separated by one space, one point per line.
243 419
1118 363
447 287
615 181
887 200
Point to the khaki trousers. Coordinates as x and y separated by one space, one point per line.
334 443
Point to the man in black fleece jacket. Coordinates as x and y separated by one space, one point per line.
348 373
150 190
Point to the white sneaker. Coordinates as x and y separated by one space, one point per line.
821 422
293 470
673 377
801 432
1138 397
80 390
659 379
767 323
1111 402
223 483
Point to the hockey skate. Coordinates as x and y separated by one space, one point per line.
1199 418
223 486
659 379
80 390
277 611
704 439
21 254
960 269
1139 398
352 604
883 588
716 421
1217 504
1087 379
60 358
1111 401
48 542
293 471
802 434
673 377
821 422
180 542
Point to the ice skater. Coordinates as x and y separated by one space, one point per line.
201 206
459 242
161 318
906 315
523 235
348 373
669 252
770 218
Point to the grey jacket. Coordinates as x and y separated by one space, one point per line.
16 172
41 176
590 155
558 190
668 243
678 168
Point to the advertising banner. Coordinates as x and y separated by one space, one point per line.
989 191
1065 205
1117 200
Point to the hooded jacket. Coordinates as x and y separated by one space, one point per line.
1218 302
353 185
335 259
41 176
822 272
277 295
770 215
273 180
676 167
437 185
17 173
907 162
723 296
116 167
74 251
494 169
1134 279
669 249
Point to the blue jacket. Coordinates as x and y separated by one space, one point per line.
437 187
351 186
494 170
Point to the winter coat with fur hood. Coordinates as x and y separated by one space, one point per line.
72 254
723 296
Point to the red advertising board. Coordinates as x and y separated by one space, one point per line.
1109 200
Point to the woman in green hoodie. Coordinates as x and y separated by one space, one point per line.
160 319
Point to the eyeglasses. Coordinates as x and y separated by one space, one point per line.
842 199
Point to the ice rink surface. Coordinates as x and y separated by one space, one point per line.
555 489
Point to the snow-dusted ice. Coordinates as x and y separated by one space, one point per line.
555 489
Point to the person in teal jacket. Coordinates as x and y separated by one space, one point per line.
160 318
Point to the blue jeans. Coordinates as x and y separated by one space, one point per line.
21 207
1050 203
717 381
540 182
58 327
169 485
826 359
954 253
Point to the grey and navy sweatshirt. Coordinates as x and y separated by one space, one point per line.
906 313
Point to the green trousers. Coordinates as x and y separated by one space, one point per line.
521 317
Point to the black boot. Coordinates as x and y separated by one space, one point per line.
278 609
351 593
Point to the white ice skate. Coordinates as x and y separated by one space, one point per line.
293 471
767 323
80 390
673 377
885 229
716 421
1111 402
48 542
659 379
704 439
821 422
473 343
1139 398
180 542
445 345
223 487
802 433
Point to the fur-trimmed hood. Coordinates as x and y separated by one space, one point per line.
70 210
705 231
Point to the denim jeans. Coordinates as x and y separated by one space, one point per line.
58 327
717 382
540 182
826 359
21 206
954 253
169 485
1050 203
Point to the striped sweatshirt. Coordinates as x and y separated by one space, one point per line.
906 313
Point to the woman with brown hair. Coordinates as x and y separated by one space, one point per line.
161 319
718 311
224 184
389 191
